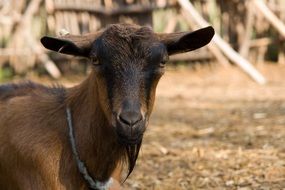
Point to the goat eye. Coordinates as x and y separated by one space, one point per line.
94 61
162 63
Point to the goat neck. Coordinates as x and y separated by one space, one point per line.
96 141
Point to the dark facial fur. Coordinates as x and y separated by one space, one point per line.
127 61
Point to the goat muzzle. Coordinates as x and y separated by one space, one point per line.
130 126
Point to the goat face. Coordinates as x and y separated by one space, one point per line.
128 61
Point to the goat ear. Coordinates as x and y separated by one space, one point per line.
180 42
70 44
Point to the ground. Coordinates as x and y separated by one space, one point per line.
214 128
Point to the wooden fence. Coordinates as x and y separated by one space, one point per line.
254 29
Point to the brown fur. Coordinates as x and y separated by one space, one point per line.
33 160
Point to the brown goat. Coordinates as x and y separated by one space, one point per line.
109 110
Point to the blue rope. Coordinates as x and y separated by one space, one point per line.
93 184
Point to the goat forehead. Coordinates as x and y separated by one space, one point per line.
120 41
132 57
128 32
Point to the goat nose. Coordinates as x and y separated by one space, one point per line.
130 117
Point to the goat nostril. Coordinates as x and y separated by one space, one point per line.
123 120
130 118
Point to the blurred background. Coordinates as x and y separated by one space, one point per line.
219 118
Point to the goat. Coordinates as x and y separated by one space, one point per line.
108 112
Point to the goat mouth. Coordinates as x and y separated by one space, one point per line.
124 140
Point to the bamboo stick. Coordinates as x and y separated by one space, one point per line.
85 17
170 27
49 65
51 23
270 16
66 20
22 30
135 8
281 55
49 5
223 46
261 42
202 55
245 45
212 47
58 23
108 3
18 40
7 52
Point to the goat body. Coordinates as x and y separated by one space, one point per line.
110 109
34 148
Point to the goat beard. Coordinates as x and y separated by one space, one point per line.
132 152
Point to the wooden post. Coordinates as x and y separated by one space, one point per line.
244 48
270 16
211 47
281 43
23 34
223 46
19 36
43 58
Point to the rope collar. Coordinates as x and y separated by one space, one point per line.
93 184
